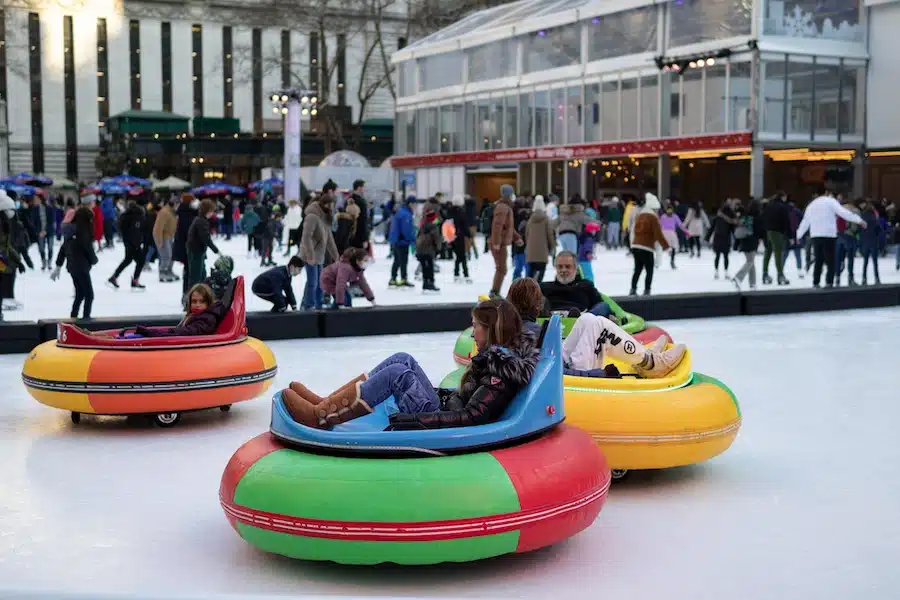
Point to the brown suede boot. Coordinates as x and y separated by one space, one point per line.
314 399
299 408
342 406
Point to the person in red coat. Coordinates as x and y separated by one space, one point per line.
98 220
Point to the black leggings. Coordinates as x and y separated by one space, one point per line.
459 250
723 255
84 292
694 243
643 260
132 255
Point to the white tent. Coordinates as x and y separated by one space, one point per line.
171 183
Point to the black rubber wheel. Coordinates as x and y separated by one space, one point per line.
619 474
225 408
76 417
166 419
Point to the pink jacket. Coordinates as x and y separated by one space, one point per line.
337 277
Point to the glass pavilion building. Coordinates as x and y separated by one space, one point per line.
698 99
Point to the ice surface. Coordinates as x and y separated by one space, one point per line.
44 299
804 505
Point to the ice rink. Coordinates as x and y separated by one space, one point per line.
44 299
804 505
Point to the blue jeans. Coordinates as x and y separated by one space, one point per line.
601 309
312 293
846 246
798 256
613 229
45 248
348 301
400 376
870 253
518 265
569 241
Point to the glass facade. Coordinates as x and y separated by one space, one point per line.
800 98
619 34
492 61
551 48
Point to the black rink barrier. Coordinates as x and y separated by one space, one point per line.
21 336
387 320
779 302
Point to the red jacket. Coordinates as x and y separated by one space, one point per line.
98 223
337 277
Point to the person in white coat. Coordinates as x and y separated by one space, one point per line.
820 220
593 339
293 222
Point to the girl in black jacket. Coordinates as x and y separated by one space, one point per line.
497 373
131 228
78 254
747 234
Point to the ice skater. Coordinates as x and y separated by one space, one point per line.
275 285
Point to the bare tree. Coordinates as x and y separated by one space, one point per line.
427 16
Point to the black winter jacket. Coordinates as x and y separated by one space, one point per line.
131 226
78 250
488 386
777 218
750 219
186 216
277 278
361 233
580 294
199 237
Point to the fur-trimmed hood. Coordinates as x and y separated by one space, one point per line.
515 366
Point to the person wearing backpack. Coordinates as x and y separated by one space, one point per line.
747 234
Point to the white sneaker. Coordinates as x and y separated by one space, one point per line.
659 364
716 276
659 345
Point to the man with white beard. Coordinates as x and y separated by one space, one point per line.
570 291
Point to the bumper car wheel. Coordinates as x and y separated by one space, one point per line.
76 417
166 419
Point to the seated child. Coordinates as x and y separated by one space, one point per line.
497 373
337 278
275 286
202 316
525 295
593 337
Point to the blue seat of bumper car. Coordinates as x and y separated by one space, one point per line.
536 408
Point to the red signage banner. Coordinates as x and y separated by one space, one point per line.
717 141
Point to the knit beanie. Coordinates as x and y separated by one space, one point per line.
507 191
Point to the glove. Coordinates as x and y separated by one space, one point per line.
55 274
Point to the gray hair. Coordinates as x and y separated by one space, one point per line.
566 253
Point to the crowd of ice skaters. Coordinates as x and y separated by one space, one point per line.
328 236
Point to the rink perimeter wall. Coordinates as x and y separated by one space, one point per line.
18 337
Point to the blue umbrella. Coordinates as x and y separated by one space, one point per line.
132 180
218 188
32 180
20 190
109 188
267 183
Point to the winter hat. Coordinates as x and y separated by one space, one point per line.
410 200
458 200
651 202
224 264
592 227
554 198
6 203
507 191
88 198
538 203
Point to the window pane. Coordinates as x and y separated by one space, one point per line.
650 107
492 61
592 113
483 141
400 137
496 132
814 19
428 131
715 98
609 106
440 70
740 96
772 92
551 48
852 100
675 102
693 21
542 118
407 78
558 117
629 109
628 32
691 103
451 128
469 134
574 116
511 133
411 132
526 126
828 81
800 85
